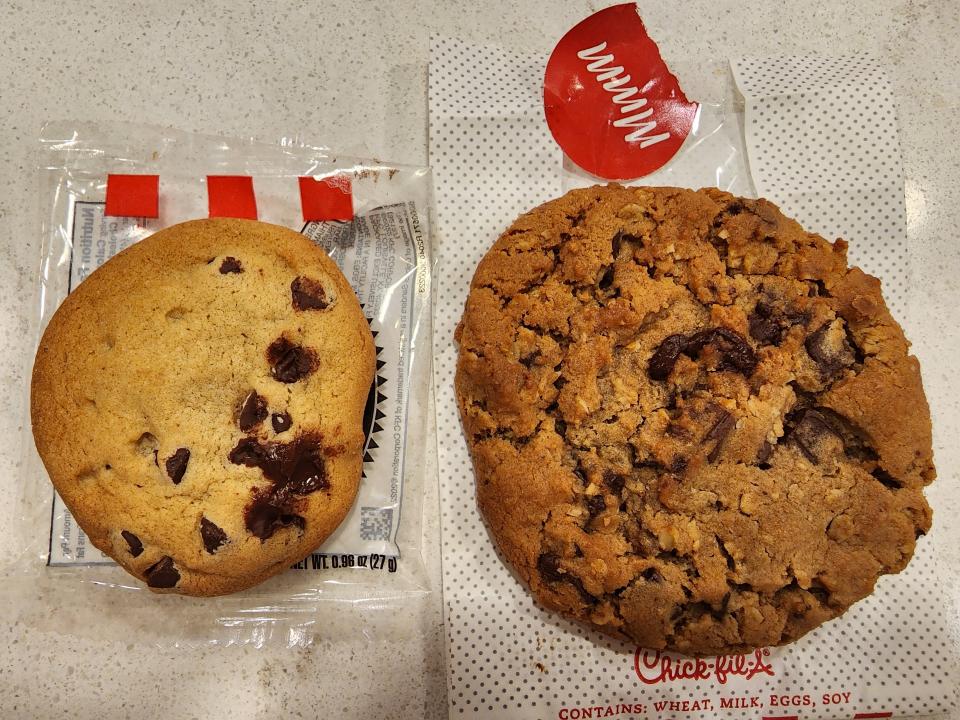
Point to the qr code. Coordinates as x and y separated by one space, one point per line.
375 523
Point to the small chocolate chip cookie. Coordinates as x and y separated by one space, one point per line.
197 402
692 425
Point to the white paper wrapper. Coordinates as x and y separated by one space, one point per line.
821 142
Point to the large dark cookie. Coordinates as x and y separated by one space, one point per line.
692 424
198 400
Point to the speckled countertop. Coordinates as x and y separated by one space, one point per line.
353 76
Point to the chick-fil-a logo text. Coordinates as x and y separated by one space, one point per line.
654 666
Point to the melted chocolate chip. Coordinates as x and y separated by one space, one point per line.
230 265
295 469
718 434
308 474
289 362
176 465
560 426
281 422
665 357
308 294
252 412
136 547
213 536
248 452
264 518
596 504
162 574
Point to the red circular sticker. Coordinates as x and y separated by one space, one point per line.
611 102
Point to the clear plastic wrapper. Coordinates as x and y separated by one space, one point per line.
372 563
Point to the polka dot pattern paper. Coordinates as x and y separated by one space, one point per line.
822 140
494 158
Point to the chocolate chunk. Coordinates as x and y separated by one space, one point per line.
856 442
230 265
679 464
734 208
176 465
606 280
615 243
665 357
560 427
531 359
886 478
652 575
294 469
162 574
213 536
308 294
763 327
136 547
289 362
736 351
281 422
718 433
580 475
827 346
810 427
548 565
613 481
252 412
596 504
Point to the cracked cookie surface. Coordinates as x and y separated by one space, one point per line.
197 402
692 425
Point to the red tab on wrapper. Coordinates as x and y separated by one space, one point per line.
133 196
329 198
611 102
231 196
